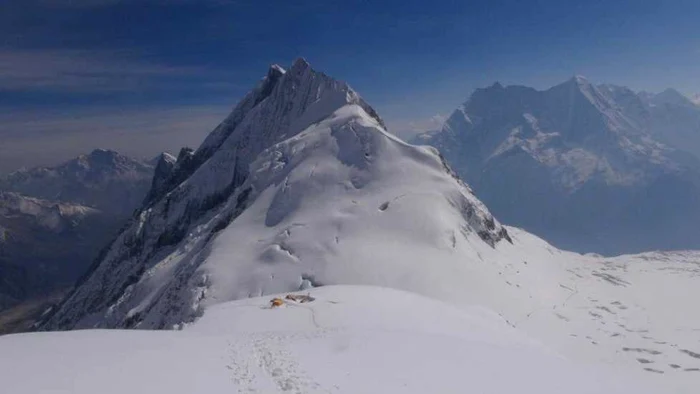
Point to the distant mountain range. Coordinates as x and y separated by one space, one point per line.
105 180
590 168
54 220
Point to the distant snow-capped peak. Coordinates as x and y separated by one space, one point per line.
51 215
102 179
576 138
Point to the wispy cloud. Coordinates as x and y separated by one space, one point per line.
79 70
31 138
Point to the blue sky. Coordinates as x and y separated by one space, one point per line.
146 75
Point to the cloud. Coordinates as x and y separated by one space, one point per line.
82 71
31 138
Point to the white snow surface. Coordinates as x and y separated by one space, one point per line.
335 206
350 339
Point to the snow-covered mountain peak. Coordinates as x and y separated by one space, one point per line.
294 91
304 183
166 158
580 80
579 91
104 154
102 160
576 83
300 64
102 179
54 216
276 69
576 139
572 115
54 221
496 86
671 96
163 170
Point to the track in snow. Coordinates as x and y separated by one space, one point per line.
262 362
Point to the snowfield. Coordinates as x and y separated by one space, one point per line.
351 339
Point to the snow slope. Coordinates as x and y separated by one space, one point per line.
302 187
351 339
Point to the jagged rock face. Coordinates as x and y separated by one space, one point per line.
103 179
279 196
164 166
580 165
